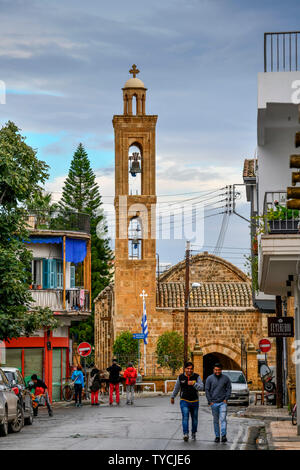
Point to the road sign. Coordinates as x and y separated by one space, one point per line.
138 335
264 345
84 349
281 327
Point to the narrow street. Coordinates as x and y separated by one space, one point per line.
152 423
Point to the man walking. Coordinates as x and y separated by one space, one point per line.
130 375
218 391
189 384
114 379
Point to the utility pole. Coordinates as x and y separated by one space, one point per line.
186 303
279 358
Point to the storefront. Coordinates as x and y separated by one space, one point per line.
46 355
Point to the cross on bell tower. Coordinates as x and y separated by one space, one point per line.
134 70
135 213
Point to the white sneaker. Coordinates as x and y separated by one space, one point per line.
185 437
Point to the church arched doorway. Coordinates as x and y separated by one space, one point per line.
209 360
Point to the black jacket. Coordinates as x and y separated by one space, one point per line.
96 384
114 374
39 383
188 392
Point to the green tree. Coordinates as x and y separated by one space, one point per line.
81 194
125 348
21 174
170 350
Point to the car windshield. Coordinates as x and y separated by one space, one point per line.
236 377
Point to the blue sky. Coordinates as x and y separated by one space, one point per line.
64 64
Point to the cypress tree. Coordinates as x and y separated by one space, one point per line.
81 194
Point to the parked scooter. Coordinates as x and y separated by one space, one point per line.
267 378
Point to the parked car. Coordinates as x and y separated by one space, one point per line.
11 411
17 382
240 390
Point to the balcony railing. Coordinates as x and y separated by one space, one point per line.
279 219
77 300
55 220
281 51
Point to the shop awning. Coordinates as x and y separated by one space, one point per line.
45 240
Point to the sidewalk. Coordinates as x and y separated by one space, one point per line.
267 412
281 434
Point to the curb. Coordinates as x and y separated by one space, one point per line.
267 418
270 441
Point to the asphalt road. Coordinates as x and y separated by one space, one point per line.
150 424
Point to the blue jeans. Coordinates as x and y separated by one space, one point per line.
192 409
219 412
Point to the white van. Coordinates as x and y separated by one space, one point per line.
240 390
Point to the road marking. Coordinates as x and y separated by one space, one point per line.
237 439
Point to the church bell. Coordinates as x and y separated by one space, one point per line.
135 164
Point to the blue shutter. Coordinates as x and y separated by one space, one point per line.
59 266
53 274
72 276
46 273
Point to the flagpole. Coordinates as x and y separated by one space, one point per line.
144 328
145 360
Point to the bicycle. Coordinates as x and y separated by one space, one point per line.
68 391
294 415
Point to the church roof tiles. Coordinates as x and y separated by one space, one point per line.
209 294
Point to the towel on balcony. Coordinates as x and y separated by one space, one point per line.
81 298
75 250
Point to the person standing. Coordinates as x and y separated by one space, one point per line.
218 391
114 381
78 378
189 384
95 386
130 375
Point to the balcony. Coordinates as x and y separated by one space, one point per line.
281 52
58 221
77 300
279 219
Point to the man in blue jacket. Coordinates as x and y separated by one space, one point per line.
218 391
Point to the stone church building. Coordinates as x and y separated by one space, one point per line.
223 324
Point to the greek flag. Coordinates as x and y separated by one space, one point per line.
144 324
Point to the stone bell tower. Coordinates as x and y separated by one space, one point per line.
135 203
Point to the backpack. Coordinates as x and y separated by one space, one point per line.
131 377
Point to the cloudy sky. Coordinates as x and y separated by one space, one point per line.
64 64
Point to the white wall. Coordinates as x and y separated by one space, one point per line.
275 87
278 127
45 250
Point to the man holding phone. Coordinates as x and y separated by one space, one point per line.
189 384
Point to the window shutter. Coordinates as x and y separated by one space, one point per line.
72 276
59 266
46 273
53 274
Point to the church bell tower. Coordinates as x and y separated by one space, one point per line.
135 208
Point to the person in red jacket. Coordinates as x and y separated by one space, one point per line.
130 375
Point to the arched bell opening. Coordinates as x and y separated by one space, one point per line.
135 170
135 237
